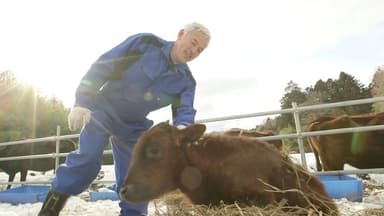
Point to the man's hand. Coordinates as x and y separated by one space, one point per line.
78 117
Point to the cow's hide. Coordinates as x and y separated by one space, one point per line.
254 133
359 149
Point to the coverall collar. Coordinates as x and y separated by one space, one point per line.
167 52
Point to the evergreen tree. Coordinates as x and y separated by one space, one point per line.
293 93
377 89
345 88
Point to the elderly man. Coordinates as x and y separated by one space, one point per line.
142 74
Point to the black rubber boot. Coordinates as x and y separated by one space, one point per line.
53 203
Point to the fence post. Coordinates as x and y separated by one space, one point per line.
299 137
57 158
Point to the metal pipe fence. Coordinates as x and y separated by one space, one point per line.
299 135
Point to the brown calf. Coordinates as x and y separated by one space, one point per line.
359 149
217 167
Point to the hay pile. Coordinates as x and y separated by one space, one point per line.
175 204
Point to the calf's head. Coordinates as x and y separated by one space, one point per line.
157 161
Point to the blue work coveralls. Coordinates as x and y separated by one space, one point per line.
121 88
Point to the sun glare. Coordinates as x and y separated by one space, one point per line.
48 86
36 80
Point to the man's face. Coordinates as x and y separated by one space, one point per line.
189 45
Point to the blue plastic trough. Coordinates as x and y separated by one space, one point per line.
34 193
24 194
103 195
343 186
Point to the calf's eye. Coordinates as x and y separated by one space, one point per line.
153 152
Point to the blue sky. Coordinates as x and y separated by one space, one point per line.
257 46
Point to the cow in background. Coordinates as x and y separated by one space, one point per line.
362 150
12 167
214 168
254 133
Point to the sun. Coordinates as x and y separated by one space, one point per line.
36 80
46 84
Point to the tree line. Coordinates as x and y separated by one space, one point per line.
25 113
345 87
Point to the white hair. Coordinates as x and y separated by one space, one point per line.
194 26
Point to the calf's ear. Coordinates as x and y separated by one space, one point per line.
192 133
